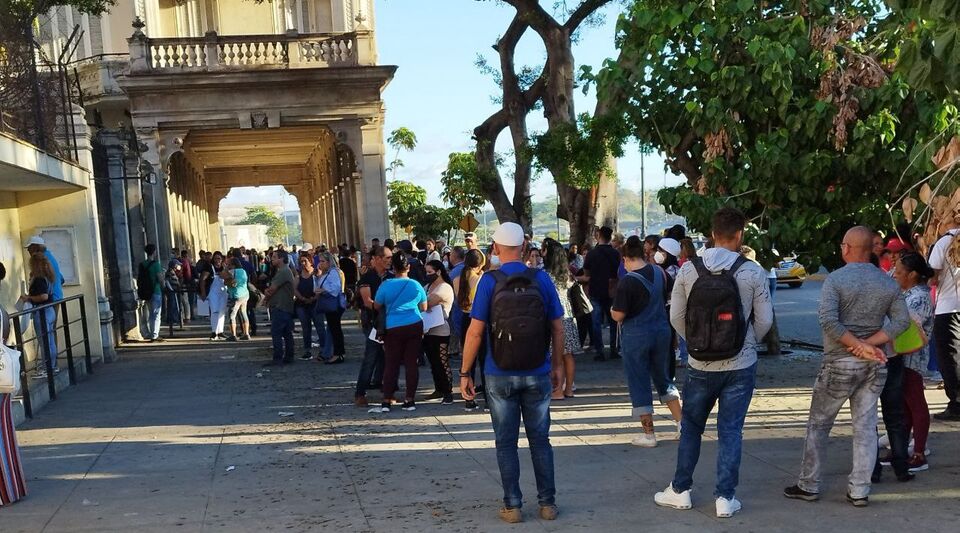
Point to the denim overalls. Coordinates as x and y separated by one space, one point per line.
645 340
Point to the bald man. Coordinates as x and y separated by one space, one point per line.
861 309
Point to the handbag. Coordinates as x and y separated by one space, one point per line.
9 370
911 340
579 302
326 302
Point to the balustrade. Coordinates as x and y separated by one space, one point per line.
215 52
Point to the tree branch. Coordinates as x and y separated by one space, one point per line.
582 12
533 14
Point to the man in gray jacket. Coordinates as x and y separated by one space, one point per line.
729 382
861 308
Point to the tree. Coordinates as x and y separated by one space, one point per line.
409 210
462 187
930 52
553 89
400 139
786 109
261 214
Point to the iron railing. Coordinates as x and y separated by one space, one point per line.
62 324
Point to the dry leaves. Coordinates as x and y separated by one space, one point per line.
909 206
717 144
947 155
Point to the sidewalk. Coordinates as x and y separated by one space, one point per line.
147 444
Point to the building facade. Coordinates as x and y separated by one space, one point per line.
199 96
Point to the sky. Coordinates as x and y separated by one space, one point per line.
439 93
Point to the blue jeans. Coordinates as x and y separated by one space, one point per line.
371 369
701 391
509 398
153 322
49 316
281 329
601 313
646 355
308 320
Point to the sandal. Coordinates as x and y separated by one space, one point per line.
334 360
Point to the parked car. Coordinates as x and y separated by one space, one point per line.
790 272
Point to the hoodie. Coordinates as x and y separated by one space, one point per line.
754 295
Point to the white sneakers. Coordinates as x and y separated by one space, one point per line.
671 498
681 500
679 426
645 440
727 508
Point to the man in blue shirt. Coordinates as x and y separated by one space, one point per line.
36 245
511 392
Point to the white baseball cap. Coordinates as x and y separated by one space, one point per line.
36 239
509 234
671 246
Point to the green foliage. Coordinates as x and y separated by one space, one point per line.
576 154
261 214
14 13
462 183
409 209
404 196
930 33
400 139
730 93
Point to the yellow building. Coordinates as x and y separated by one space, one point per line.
200 96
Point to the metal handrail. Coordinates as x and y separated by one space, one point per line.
41 337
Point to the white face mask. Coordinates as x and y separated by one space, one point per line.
659 258
495 260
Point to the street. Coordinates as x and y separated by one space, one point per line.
196 436
797 313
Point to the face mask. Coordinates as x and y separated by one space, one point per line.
431 278
659 258
494 260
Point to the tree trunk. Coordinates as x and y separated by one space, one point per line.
773 338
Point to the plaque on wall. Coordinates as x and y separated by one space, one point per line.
61 243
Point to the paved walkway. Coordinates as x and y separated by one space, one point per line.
186 437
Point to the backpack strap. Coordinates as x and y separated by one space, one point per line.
736 265
700 266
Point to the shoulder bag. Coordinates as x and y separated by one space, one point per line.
326 302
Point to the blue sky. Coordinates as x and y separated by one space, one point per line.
440 95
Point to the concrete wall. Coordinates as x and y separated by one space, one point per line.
71 210
10 253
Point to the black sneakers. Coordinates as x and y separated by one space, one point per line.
858 502
796 493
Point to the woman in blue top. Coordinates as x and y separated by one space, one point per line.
640 306
402 300
237 297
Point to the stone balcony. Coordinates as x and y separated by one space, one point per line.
218 53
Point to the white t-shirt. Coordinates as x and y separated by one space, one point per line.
948 297
445 292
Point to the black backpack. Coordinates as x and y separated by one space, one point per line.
145 281
716 327
519 328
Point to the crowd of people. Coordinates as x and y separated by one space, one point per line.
515 313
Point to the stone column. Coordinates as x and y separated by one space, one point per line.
105 314
127 220
374 182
